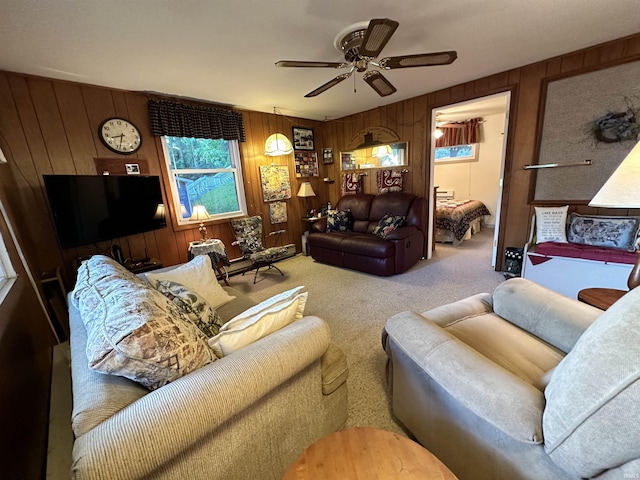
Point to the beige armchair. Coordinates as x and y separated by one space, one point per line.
521 384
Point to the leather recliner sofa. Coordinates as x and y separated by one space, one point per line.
360 249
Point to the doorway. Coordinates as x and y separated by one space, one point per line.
478 176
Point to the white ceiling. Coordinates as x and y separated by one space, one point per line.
224 51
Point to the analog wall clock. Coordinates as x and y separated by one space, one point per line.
120 135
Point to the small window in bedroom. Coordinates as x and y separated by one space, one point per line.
205 172
458 153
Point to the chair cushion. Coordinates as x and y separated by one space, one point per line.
248 232
592 417
268 255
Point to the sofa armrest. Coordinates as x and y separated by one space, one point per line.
151 431
551 316
402 233
320 225
492 393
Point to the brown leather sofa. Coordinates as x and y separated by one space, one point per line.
360 249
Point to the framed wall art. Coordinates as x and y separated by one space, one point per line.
275 182
327 156
306 164
302 138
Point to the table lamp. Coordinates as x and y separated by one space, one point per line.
622 190
200 214
306 191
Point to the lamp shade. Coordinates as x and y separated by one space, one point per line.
622 190
277 144
159 215
306 190
381 151
199 213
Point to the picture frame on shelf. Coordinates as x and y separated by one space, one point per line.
302 138
327 156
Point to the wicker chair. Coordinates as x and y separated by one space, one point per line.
248 233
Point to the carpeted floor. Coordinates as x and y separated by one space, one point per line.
356 306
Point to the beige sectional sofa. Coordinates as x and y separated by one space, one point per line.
247 415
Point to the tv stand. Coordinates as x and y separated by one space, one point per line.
140 266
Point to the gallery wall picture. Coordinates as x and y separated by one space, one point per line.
275 182
306 164
302 138
278 212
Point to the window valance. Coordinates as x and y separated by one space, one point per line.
195 121
459 133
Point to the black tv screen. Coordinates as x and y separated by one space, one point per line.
94 208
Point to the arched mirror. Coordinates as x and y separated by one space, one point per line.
375 156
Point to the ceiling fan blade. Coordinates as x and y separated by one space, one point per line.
380 84
331 83
376 37
419 60
295 63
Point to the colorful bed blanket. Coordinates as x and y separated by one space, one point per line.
456 216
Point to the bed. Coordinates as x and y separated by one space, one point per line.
457 220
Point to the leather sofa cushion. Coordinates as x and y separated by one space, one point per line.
359 205
368 246
592 417
395 203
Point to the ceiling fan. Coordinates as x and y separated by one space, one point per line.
361 44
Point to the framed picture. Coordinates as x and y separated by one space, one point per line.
275 182
302 138
132 168
306 164
327 155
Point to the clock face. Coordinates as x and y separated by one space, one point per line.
120 135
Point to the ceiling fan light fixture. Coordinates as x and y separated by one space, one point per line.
277 144
380 84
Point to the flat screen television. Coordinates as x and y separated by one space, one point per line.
94 208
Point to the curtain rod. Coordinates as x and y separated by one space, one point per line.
554 165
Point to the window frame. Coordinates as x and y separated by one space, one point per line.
180 223
8 274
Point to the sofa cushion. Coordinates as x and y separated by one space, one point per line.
367 245
259 321
592 417
132 329
359 205
551 224
339 221
197 275
197 309
600 231
388 224
394 203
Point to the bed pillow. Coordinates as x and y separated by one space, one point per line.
388 224
196 309
551 224
198 276
133 330
600 231
263 320
339 221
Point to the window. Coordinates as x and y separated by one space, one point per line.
205 172
7 273
457 153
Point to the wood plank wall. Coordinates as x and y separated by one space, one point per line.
49 126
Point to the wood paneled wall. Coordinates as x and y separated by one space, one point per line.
49 126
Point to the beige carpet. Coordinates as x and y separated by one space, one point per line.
356 306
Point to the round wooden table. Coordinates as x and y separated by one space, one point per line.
366 454
601 298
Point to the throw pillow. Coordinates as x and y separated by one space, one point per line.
247 328
197 275
551 224
599 231
339 221
133 330
197 309
388 224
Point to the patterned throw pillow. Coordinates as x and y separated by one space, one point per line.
339 221
599 231
388 224
133 330
196 308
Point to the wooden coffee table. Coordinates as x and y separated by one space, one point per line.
366 454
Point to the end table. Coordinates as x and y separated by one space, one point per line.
601 298
216 251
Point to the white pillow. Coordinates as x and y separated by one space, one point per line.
240 332
551 224
197 275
